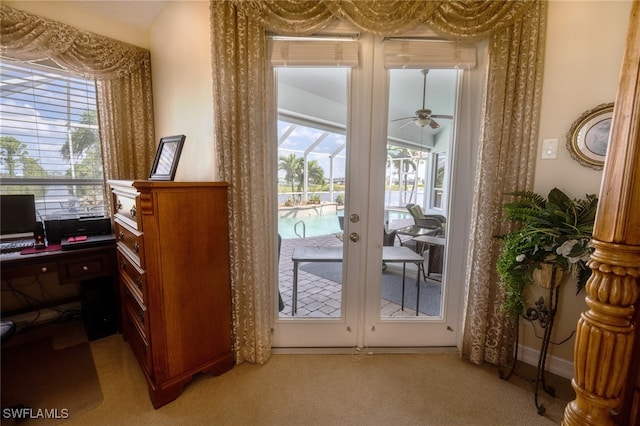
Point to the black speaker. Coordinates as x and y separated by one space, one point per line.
98 308
54 231
39 237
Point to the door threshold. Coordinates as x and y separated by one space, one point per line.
367 351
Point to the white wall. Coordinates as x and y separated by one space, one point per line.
182 85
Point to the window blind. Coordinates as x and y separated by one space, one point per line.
313 53
49 140
409 53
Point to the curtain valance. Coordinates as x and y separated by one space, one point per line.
29 37
460 19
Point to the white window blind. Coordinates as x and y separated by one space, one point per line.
49 140
408 53
313 53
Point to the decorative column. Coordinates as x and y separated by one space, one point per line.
605 333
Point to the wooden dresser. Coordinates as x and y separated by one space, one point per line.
173 257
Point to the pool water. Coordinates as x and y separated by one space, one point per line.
316 226
313 226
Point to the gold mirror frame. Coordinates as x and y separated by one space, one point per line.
588 138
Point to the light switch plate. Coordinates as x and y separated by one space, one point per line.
549 149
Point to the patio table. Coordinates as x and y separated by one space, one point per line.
334 254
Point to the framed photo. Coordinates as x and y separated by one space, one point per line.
167 156
588 138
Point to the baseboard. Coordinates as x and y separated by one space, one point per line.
555 365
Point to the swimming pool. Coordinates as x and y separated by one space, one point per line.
318 225
314 226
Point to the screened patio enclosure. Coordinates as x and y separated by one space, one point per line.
312 141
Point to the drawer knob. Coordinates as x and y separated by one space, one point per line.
139 282
85 268
118 206
136 247
141 317
123 264
44 269
133 211
121 235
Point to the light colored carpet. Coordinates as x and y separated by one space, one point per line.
348 389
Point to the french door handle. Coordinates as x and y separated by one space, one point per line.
354 218
354 236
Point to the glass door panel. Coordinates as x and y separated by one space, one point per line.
406 300
414 208
311 189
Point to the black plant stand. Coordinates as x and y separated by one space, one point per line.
544 315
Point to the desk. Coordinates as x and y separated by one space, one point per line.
334 254
81 265
71 266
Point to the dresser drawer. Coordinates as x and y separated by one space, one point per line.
85 267
141 348
9 273
126 207
133 277
137 312
132 241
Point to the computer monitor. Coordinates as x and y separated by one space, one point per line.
17 216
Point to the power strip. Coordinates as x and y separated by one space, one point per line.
43 315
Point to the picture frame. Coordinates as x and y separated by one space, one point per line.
167 157
588 138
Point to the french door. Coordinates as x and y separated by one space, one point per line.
349 275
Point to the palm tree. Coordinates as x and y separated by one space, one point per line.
83 138
292 167
405 160
315 172
85 144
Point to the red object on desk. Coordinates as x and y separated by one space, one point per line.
78 239
33 250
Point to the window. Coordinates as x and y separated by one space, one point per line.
49 140
439 162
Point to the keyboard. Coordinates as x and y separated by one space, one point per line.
14 246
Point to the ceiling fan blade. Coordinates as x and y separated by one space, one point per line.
405 124
433 124
404 118
450 117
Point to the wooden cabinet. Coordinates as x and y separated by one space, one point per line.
173 258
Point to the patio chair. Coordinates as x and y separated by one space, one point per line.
434 254
436 222
389 240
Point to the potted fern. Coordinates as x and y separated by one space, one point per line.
553 239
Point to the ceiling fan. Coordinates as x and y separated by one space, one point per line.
423 116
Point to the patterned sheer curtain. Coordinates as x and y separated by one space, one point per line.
123 79
242 133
